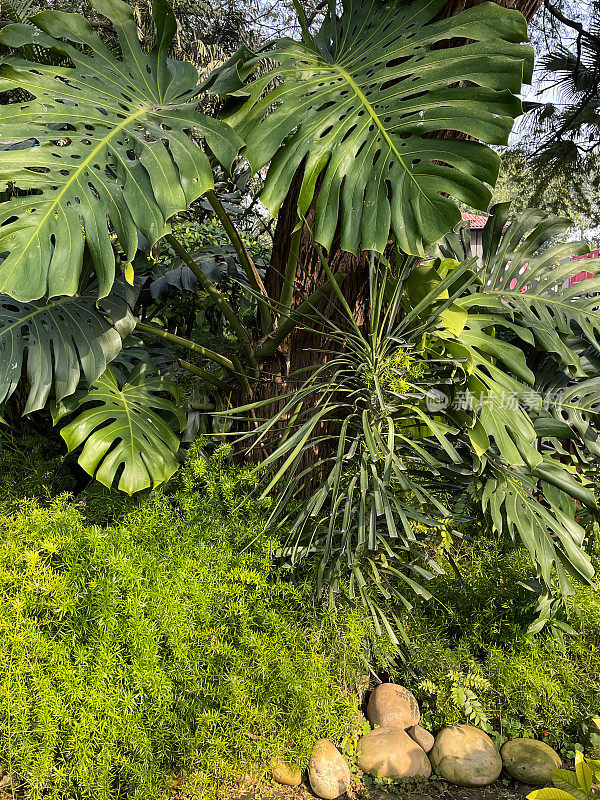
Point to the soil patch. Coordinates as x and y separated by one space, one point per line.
438 790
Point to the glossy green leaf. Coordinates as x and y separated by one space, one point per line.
554 541
359 103
58 340
578 406
524 274
102 145
128 433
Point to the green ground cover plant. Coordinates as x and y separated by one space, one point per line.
141 642
472 659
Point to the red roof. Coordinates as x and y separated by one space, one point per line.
475 220
584 275
591 254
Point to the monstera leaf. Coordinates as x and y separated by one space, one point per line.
359 104
108 148
523 275
59 339
127 433
554 539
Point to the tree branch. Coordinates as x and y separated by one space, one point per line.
571 23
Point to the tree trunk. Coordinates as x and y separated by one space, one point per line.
301 348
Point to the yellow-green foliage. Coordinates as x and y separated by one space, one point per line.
395 372
139 644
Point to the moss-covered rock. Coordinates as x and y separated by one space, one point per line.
530 761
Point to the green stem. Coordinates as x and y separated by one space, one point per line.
245 259
336 287
209 377
289 279
272 342
219 299
306 35
217 358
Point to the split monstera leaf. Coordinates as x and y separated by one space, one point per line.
109 145
101 145
103 149
363 104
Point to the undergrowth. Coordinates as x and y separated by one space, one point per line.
151 643
471 659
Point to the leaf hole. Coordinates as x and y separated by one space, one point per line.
326 105
347 134
393 82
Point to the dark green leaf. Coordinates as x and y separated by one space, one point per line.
96 154
357 104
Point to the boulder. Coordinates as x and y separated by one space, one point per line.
393 706
530 761
422 737
465 756
391 753
284 774
328 773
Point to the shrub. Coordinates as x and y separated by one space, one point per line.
138 644
472 659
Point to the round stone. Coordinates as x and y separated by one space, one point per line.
530 761
328 773
392 706
466 756
391 753
422 737
284 774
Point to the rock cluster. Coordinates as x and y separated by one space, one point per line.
398 747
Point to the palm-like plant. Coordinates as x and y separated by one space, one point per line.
436 398
562 133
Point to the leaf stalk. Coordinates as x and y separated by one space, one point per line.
245 259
